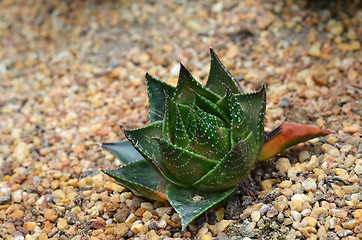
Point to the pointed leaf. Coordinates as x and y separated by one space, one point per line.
142 140
169 121
287 135
210 118
174 129
185 166
186 82
220 76
240 126
123 150
181 138
210 141
254 104
157 91
190 123
190 203
211 108
232 169
141 178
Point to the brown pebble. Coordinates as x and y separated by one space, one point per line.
62 224
121 215
351 129
310 221
121 229
280 206
357 214
139 212
50 215
30 226
78 149
347 107
47 228
98 225
17 215
112 186
111 206
213 229
312 35
10 228
320 75
187 235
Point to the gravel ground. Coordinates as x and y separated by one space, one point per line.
72 75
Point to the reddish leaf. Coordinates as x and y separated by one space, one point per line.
287 135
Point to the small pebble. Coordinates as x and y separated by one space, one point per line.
283 164
202 231
250 227
349 161
285 184
146 216
255 216
223 225
346 148
296 216
306 212
50 215
304 156
344 233
358 169
272 212
260 223
357 214
315 50
136 228
30 226
222 236
17 196
332 139
131 218
62 224
313 163
288 221
147 205
309 185
351 129
213 229
319 213
206 237
285 102
161 224
309 221
220 214
280 217
112 186
280 206
264 208
350 224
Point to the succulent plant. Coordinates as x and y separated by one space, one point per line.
201 141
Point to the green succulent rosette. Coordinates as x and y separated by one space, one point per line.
201 141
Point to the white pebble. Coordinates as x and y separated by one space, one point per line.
17 196
255 216
309 185
358 169
250 227
296 216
